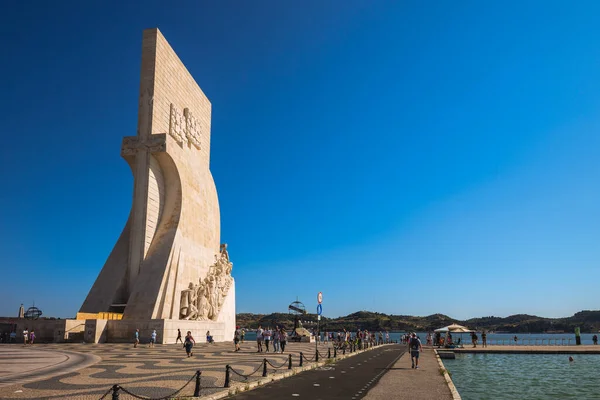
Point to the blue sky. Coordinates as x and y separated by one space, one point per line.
401 157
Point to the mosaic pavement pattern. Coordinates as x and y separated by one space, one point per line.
153 372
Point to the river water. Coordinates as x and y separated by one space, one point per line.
525 376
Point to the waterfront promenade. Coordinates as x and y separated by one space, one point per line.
151 372
403 382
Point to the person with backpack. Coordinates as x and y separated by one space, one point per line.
415 348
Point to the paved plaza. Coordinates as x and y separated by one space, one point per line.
152 372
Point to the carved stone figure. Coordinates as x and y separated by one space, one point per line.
201 301
209 296
224 252
188 309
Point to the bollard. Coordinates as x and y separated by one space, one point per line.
290 362
329 353
227 367
301 357
335 352
197 388
317 356
265 367
115 394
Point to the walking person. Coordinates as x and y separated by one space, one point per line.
152 338
276 340
259 339
415 348
136 339
32 337
178 337
236 338
243 334
189 343
267 336
282 339
483 339
25 336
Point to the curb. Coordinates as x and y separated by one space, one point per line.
453 391
239 387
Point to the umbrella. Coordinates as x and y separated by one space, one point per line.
454 328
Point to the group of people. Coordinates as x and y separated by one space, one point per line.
277 336
28 337
6 337
361 339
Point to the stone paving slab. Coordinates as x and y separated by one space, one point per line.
152 372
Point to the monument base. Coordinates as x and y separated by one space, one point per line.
123 330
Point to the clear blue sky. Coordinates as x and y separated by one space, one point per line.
401 157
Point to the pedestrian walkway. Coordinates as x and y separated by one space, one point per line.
20 364
150 372
350 378
403 382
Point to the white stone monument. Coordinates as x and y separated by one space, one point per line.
168 269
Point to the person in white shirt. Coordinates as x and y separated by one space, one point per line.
259 339
267 336
25 336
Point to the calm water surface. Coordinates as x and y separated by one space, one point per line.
525 376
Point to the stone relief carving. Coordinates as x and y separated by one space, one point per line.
152 144
177 124
193 128
184 127
204 301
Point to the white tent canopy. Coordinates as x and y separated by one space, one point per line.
454 328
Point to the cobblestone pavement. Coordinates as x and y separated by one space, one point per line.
151 372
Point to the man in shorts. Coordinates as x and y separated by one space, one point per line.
415 348
152 338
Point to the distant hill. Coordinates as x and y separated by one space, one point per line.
588 321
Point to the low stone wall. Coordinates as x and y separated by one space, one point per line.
52 330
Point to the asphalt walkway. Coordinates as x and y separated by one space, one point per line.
349 378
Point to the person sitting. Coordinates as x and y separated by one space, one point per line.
209 338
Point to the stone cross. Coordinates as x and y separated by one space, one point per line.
137 149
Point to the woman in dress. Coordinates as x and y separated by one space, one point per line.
189 343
